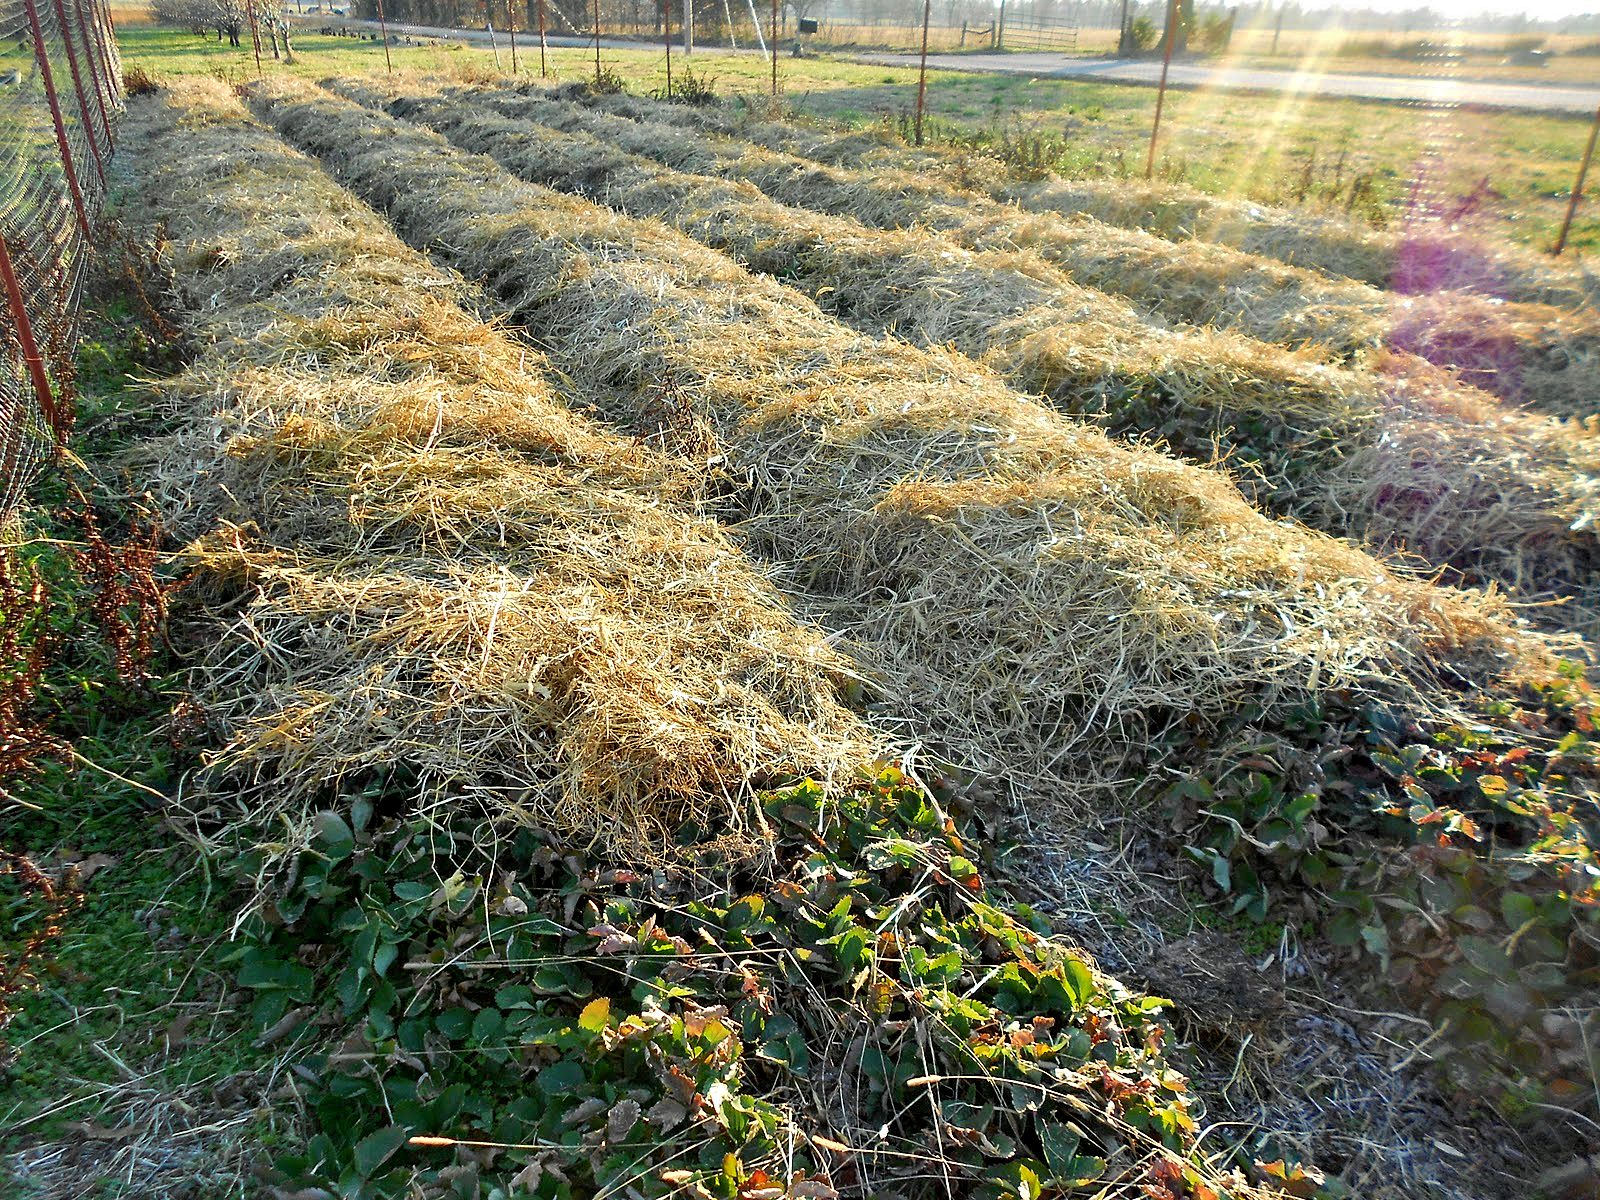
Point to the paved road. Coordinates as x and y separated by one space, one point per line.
1535 97
1538 97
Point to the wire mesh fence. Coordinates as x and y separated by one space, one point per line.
60 95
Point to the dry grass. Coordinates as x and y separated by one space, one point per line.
1024 585
1396 455
1522 351
448 581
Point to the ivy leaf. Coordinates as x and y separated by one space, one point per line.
453 1023
1517 908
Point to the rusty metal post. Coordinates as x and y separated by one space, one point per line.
255 33
922 67
108 34
544 72
511 21
30 347
666 40
77 87
45 75
597 43
1161 92
1577 188
773 32
101 87
383 26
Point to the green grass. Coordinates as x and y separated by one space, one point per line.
133 1012
1261 147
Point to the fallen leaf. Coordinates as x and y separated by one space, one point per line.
177 1032
622 1120
527 1179
667 1114
282 1026
592 1107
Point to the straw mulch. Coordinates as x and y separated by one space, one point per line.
431 574
1420 257
1044 602
1525 352
1400 456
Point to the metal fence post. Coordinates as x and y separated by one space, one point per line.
77 87
774 35
30 346
544 72
101 86
511 21
922 67
255 33
108 51
1577 188
1161 92
383 26
42 57
666 40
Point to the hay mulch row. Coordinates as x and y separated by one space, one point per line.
476 631
1524 352
1418 258
1441 472
1047 603
448 583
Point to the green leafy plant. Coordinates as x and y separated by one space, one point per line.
1461 857
848 1011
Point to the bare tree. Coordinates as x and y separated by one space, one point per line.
227 17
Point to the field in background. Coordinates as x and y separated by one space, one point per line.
133 13
1484 56
1512 170
1574 57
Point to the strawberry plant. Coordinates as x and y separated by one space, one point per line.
850 1012
1460 856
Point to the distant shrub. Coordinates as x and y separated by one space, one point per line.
1214 33
1144 33
689 88
605 83
136 81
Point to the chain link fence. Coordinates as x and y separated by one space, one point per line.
60 95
